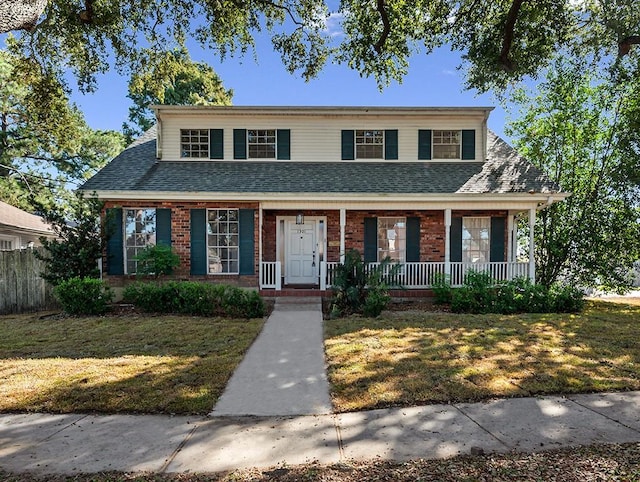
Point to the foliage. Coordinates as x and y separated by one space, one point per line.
44 140
502 41
441 287
171 78
188 297
359 288
482 294
157 260
581 129
83 296
79 242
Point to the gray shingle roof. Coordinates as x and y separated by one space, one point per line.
136 169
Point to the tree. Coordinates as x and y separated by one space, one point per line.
582 130
44 141
502 41
171 78
80 240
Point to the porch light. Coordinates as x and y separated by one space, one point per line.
299 218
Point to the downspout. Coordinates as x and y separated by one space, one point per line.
158 136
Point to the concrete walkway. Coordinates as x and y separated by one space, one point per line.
70 444
283 373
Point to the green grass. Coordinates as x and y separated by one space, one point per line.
129 364
411 358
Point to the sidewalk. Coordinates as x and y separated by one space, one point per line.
69 444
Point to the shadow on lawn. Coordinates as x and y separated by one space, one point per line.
417 358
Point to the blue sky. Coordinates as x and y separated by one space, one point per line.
433 80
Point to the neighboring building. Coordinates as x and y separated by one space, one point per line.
273 197
20 229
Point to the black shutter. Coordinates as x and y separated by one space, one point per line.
283 139
115 242
216 144
455 240
370 240
424 144
413 240
348 145
163 226
468 144
239 143
198 241
391 144
497 240
247 239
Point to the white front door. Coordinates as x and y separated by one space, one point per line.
301 253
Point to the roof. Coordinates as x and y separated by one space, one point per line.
17 218
137 169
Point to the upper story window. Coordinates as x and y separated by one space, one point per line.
194 143
261 143
446 144
6 244
369 144
392 239
476 235
139 232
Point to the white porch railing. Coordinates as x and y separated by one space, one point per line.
409 275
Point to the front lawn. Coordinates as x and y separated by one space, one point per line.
413 357
134 364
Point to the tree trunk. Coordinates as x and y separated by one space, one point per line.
20 14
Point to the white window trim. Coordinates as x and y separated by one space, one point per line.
355 144
124 234
236 273
208 145
275 145
14 240
489 229
433 144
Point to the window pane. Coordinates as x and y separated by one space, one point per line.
392 239
475 239
261 143
369 144
223 240
139 232
194 143
446 144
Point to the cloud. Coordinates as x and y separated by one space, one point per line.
333 24
449 72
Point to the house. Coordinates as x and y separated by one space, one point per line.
20 229
273 197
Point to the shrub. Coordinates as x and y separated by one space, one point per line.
478 295
442 291
188 297
83 296
157 260
566 299
376 301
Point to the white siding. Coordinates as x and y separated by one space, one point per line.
317 137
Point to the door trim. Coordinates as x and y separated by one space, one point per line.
281 234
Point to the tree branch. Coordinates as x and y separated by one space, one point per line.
624 46
507 40
86 15
386 24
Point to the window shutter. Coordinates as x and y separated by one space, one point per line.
198 241
468 144
413 240
370 240
497 240
216 144
115 242
246 234
455 240
391 144
424 144
163 226
239 143
283 138
348 145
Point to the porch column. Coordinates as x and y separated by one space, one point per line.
260 245
447 242
510 243
532 257
343 223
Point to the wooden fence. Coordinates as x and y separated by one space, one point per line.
21 287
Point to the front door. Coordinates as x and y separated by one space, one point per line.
301 253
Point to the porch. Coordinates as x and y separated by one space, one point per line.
417 275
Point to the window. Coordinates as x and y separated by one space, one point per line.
6 244
475 240
222 241
262 143
369 144
446 144
194 143
139 232
392 239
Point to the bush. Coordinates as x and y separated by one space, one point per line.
83 296
478 295
566 299
360 289
442 291
192 298
157 260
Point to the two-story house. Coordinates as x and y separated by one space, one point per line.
273 197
